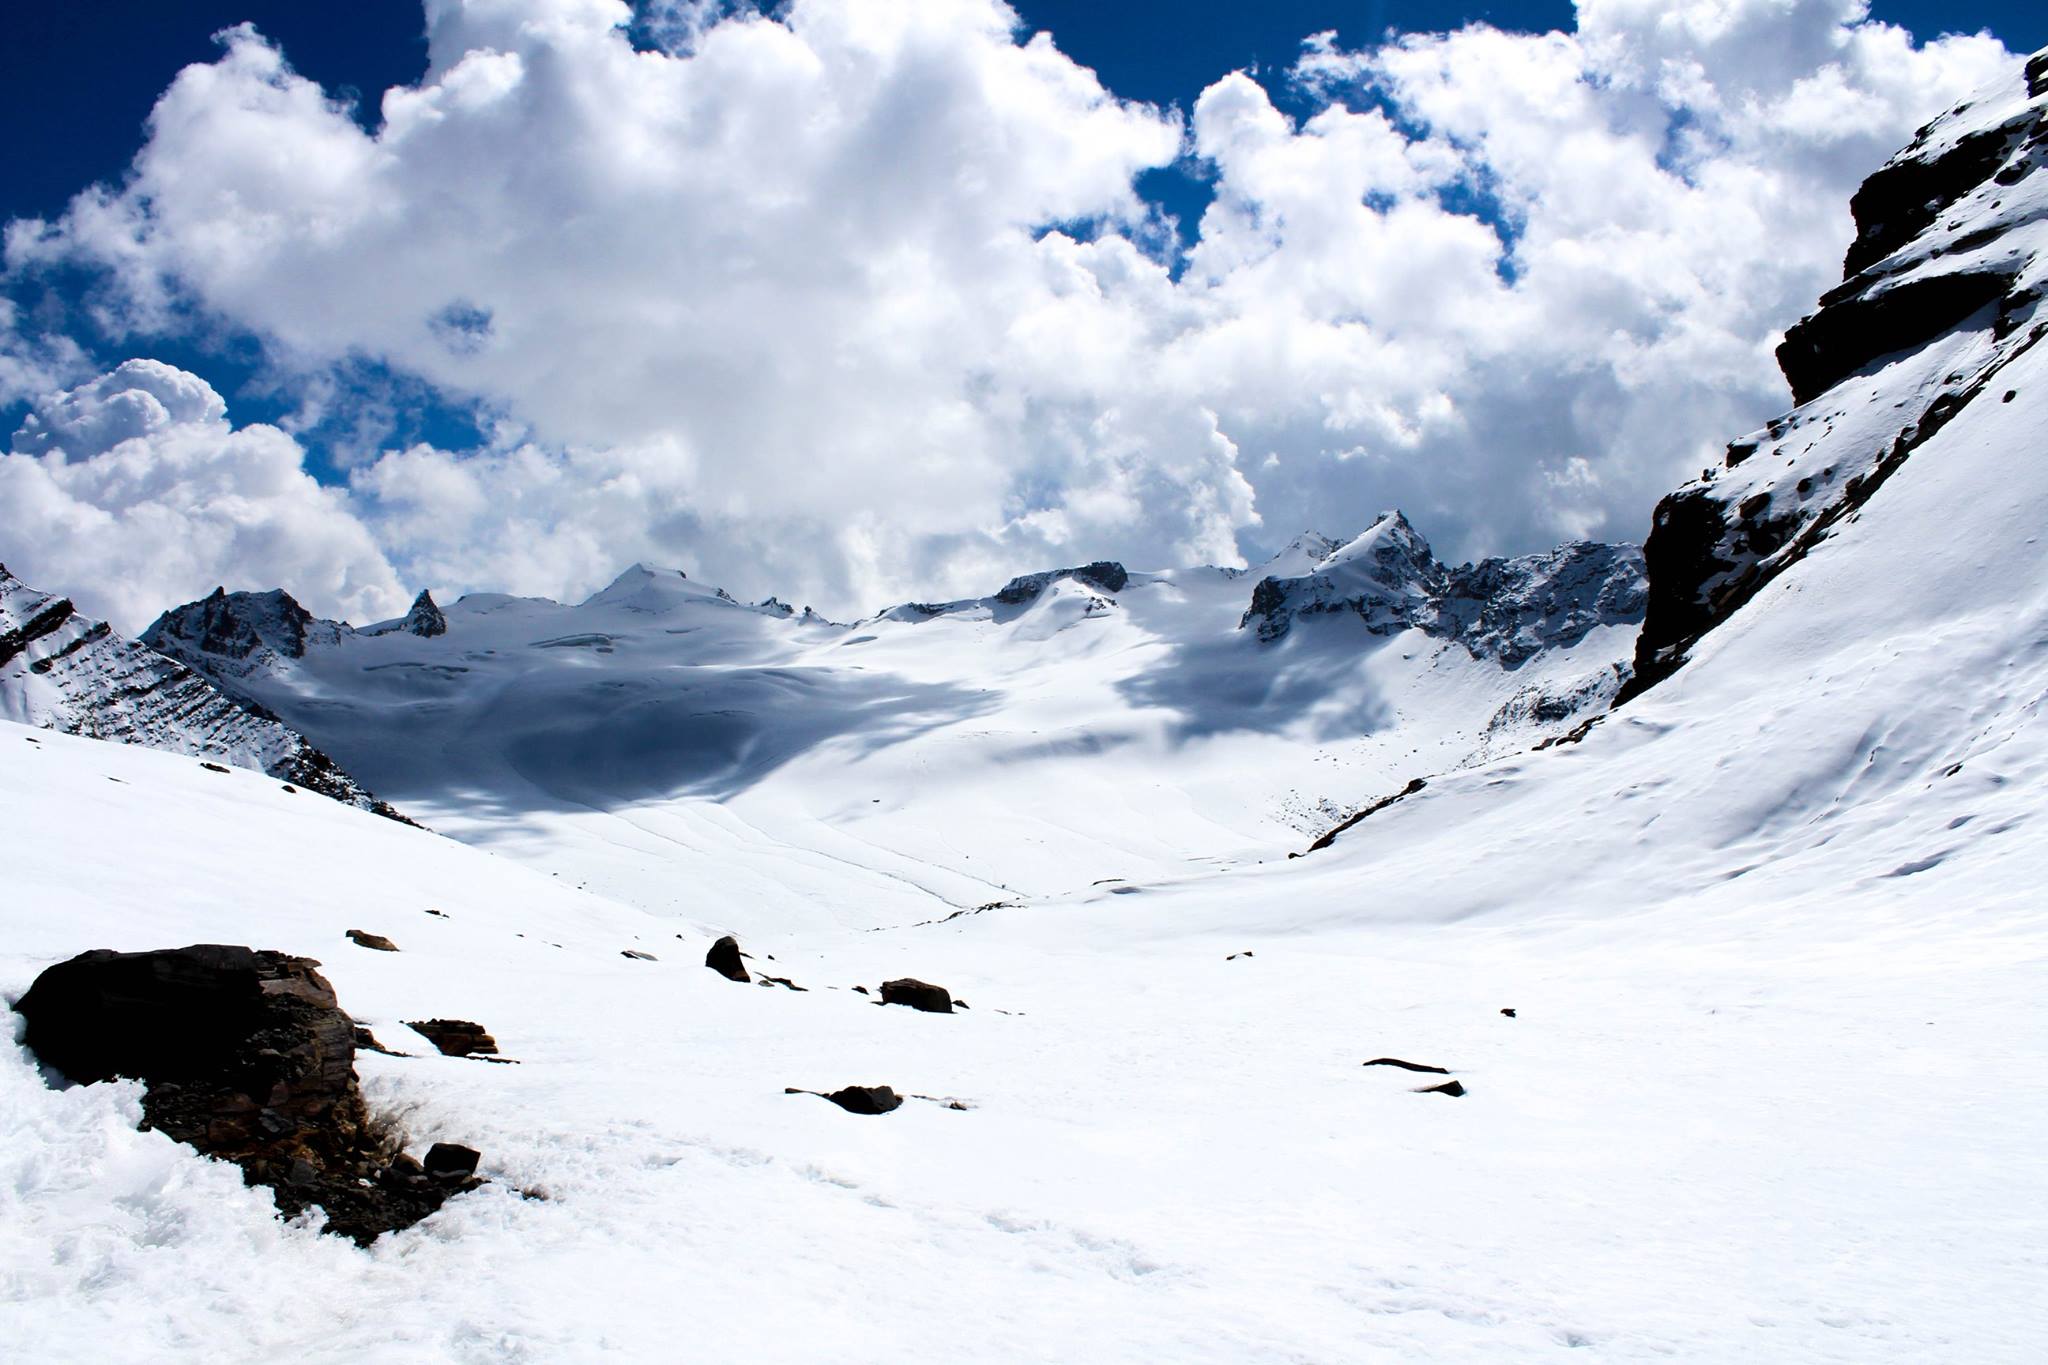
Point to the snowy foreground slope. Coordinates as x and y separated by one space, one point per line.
1070 728
1774 1089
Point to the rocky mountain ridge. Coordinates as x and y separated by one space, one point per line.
1942 293
61 670
1505 609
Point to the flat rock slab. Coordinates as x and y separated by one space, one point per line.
1407 1066
454 1037
365 939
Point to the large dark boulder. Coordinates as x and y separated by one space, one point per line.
245 1055
724 958
919 995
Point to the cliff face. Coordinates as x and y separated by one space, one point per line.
1943 288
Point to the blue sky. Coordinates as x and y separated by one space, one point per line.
81 80
81 77
788 314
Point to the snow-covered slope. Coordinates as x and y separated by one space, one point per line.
1074 726
1774 1087
62 671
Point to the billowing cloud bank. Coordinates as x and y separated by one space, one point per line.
861 303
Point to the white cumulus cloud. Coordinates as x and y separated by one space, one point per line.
859 302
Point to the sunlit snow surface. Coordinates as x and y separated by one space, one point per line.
1775 1089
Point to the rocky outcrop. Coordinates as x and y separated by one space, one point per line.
241 627
60 670
1106 575
424 620
246 1056
1504 609
1943 288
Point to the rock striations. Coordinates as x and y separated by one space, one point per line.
60 670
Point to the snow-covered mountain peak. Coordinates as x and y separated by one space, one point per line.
242 631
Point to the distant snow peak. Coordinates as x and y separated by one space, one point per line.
1507 609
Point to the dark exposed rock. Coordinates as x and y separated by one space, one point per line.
1509 1013
1451 1088
425 618
1939 247
1856 327
1329 836
1407 1066
857 1099
638 956
246 1056
233 626
919 995
724 958
1104 574
451 1161
377 941
454 1037
213 767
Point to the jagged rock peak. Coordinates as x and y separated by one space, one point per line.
1506 609
234 626
424 620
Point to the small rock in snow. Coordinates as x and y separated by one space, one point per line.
724 958
365 939
638 956
454 1037
919 995
1407 1066
1451 1088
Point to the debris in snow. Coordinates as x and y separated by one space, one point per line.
724 958
1451 1088
365 939
638 956
919 995
1407 1066
246 1056
1509 1013
213 767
